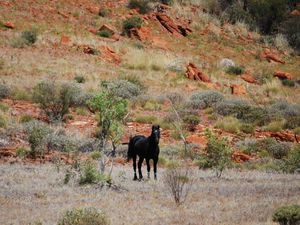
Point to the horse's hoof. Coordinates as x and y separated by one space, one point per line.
135 178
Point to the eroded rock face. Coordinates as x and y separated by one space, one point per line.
240 157
140 34
193 73
179 30
282 75
9 25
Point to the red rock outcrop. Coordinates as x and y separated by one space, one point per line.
282 75
65 40
9 25
295 12
193 73
240 157
178 30
272 57
110 55
238 89
249 78
140 34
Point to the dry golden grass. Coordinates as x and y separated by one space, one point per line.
36 192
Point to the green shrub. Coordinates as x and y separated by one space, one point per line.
229 124
292 163
105 33
288 83
277 150
248 146
79 79
132 22
18 94
22 152
236 13
55 99
3 107
146 119
60 141
167 2
96 155
205 99
175 97
247 128
2 122
25 118
274 126
236 70
142 5
231 107
104 12
36 134
254 115
287 215
4 91
30 36
86 216
292 122
191 121
217 153
124 89
91 175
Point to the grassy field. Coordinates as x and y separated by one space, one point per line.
31 193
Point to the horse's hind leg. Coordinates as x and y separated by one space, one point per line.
140 167
155 167
148 167
134 167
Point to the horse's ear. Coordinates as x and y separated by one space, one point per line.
158 126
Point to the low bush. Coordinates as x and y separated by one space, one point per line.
175 98
288 83
248 146
3 122
142 5
287 215
36 135
79 79
124 89
191 121
30 36
205 99
132 22
235 13
26 118
105 33
236 70
22 152
231 107
19 94
60 141
178 181
55 99
279 150
104 12
274 126
247 128
91 175
89 145
4 91
86 216
146 119
292 163
229 124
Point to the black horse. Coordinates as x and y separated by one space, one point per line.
146 148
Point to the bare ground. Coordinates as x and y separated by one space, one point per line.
31 193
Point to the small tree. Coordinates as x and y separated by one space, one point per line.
111 112
218 154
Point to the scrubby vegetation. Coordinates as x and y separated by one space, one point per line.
287 215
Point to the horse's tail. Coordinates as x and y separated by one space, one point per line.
130 152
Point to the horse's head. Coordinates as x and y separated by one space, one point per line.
156 133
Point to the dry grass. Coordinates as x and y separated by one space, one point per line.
30 192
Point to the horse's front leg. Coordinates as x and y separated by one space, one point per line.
155 160
148 168
140 167
134 167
